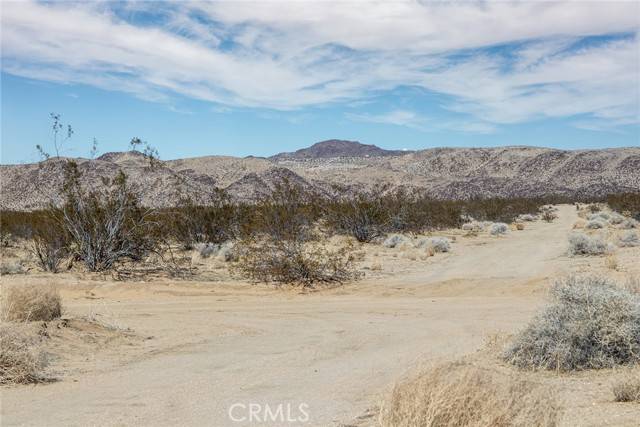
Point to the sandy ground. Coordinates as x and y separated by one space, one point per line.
205 346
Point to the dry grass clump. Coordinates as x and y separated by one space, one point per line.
21 360
498 229
627 390
611 262
519 226
30 303
591 323
460 394
582 244
629 239
579 224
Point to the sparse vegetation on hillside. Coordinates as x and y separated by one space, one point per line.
591 323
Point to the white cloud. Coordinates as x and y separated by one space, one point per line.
288 55
414 120
395 117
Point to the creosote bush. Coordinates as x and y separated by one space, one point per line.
293 262
590 323
364 217
625 203
460 394
30 303
106 225
211 221
50 241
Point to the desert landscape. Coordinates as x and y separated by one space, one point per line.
152 349
308 213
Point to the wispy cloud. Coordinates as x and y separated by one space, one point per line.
497 62
395 117
414 120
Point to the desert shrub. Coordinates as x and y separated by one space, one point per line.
224 250
30 303
108 224
582 244
11 268
616 219
629 239
21 359
460 394
627 390
548 215
212 221
415 213
205 249
287 213
591 323
49 240
363 216
527 217
472 227
595 224
519 226
396 240
599 216
498 229
293 262
628 224
438 244
626 203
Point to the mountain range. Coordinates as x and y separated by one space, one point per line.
448 173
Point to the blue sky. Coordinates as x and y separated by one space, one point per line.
239 78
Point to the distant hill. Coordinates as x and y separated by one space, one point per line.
337 148
450 173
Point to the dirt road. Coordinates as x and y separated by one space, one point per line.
335 352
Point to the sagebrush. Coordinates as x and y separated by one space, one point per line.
582 244
590 323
